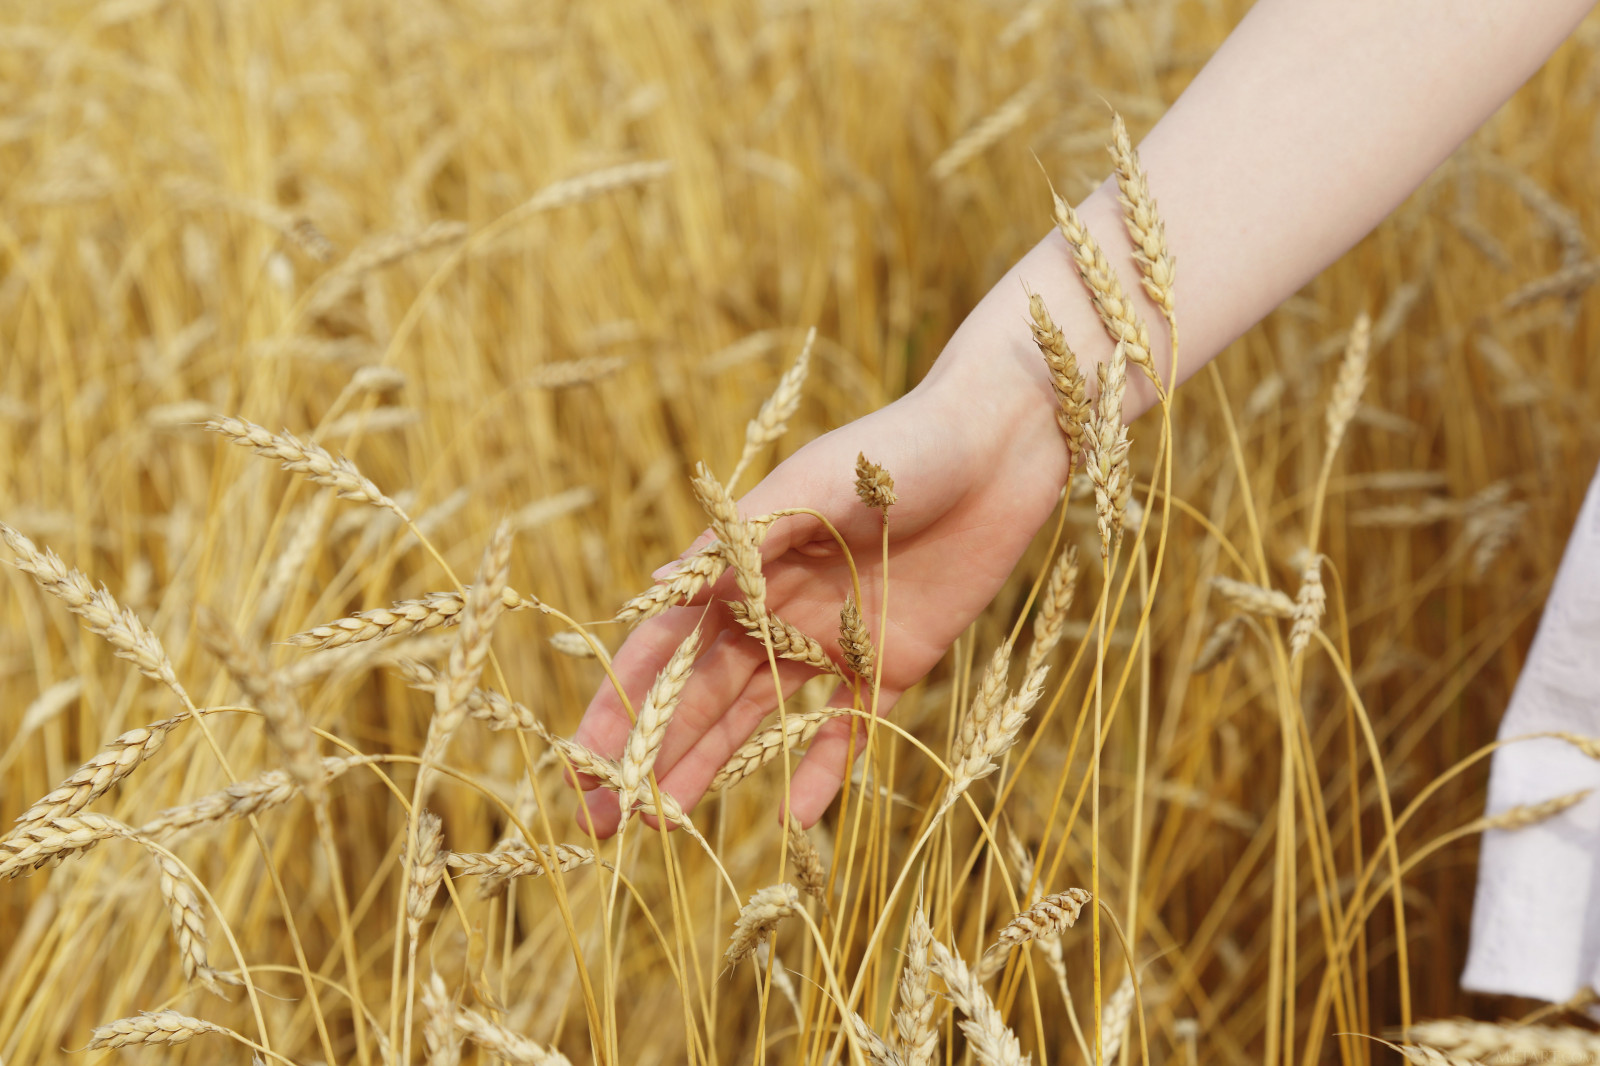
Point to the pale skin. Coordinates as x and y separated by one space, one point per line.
1310 124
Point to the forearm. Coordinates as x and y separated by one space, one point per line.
1312 122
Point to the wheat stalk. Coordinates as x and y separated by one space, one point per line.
1121 320
188 918
1530 814
1220 645
102 615
47 841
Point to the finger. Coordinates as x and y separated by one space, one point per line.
720 674
605 724
822 770
689 775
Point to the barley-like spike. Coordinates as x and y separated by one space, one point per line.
1121 320
188 918
693 574
95 778
1505 1045
1114 1018
877 1052
773 419
273 788
427 872
102 615
489 707
47 842
992 735
1066 377
1157 268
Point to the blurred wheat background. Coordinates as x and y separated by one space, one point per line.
535 260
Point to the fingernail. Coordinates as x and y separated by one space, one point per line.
661 573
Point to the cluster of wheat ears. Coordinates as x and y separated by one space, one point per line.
1201 785
933 975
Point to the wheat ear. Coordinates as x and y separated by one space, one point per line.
1157 268
1253 599
772 420
644 739
1066 376
992 1043
807 860
759 917
1051 618
502 1042
439 1037
153 1027
403 619
788 641
797 729
739 544
917 1035
303 457
484 605
1049 917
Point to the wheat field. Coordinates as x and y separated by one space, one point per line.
526 265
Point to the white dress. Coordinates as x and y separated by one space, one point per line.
1536 920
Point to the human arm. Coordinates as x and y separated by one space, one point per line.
1309 125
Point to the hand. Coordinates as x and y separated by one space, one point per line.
976 475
